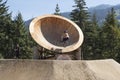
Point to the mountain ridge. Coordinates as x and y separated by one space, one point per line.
101 11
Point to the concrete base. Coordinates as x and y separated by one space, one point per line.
59 70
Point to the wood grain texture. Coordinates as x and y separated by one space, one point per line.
47 30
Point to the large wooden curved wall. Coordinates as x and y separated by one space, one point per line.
47 30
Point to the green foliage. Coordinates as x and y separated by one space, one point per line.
90 46
99 42
110 37
5 23
80 14
21 37
3 8
57 10
13 32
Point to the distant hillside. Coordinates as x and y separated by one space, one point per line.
27 23
66 14
100 10
102 6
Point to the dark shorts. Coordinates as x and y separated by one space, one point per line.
65 39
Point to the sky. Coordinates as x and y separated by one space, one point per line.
33 8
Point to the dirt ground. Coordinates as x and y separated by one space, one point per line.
59 70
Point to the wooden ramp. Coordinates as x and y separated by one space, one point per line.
47 31
59 70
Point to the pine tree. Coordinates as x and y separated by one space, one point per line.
110 37
93 39
21 37
5 23
57 10
80 16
